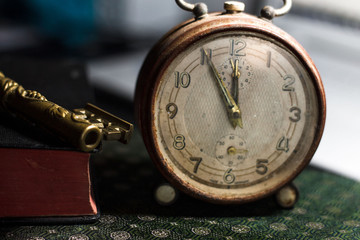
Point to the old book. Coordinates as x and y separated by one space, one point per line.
42 178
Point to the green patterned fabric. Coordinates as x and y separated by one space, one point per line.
328 208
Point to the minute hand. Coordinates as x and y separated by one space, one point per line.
233 110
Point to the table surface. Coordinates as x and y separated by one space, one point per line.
328 208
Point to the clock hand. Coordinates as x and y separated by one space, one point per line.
234 112
235 77
233 151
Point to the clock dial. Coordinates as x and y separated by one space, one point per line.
195 131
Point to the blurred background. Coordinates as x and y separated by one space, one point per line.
112 38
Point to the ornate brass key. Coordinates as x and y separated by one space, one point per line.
83 128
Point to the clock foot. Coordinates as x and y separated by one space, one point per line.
165 194
287 196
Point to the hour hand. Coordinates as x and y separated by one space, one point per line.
233 110
235 78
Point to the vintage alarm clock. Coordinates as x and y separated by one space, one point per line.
231 108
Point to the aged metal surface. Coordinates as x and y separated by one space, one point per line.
234 6
200 10
269 12
83 128
112 127
287 196
176 41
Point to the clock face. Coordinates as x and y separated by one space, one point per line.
235 115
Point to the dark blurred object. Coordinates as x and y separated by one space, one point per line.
62 81
71 22
15 10
46 28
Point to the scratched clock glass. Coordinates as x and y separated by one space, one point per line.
235 114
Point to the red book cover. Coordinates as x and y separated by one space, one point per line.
45 183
